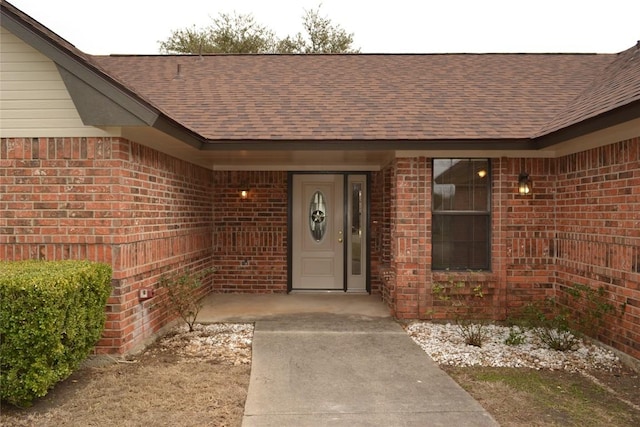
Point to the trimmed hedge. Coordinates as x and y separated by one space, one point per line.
52 313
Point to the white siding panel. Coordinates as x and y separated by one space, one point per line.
42 114
38 104
34 86
11 93
24 76
22 57
34 101
35 122
19 67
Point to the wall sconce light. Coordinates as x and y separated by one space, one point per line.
244 190
524 184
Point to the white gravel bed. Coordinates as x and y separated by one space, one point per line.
227 343
230 343
446 346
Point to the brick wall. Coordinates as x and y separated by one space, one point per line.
529 232
250 235
147 213
379 222
580 225
108 200
410 227
598 233
405 253
382 205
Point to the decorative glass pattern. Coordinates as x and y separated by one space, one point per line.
318 216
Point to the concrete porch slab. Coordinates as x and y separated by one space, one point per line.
252 307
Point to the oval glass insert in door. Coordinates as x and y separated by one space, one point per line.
318 216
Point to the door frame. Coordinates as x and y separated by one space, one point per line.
345 202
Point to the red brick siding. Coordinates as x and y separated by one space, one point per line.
108 200
250 235
382 205
581 224
406 268
115 201
379 205
598 232
502 188
410 228
529 232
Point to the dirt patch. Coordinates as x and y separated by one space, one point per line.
624 384
529 397
185 379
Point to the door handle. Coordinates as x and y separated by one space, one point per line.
340 236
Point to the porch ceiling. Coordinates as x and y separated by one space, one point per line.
299 160
362 156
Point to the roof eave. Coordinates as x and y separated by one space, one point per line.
596 123
368 145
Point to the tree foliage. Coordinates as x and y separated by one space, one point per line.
241 33
320 36
227 34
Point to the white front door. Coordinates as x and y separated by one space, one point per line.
328 218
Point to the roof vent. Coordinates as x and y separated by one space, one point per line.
178 75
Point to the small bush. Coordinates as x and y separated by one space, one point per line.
464 302
551 324
557 339
473 332
51 316
581 310
588 306
516 336
182 297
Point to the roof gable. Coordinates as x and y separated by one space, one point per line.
100 99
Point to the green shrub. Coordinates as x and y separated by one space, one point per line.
516 336
551 323
560 323
51 316
589 306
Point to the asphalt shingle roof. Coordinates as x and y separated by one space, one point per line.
617 84
361 97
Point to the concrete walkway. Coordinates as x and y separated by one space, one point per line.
340 360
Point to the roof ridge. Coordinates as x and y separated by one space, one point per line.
310 55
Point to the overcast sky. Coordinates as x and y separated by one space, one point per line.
379 26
